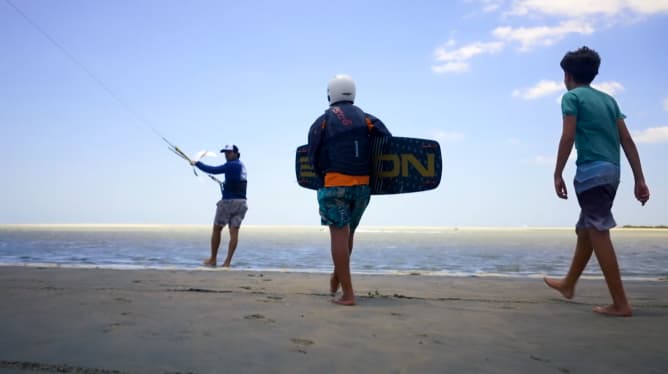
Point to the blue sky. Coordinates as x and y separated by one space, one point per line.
482 77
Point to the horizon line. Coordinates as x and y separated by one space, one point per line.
361 227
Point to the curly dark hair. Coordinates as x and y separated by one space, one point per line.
582 64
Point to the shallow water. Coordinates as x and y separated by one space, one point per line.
643 254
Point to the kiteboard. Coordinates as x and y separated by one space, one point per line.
398 165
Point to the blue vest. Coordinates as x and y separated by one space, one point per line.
345 147
235 183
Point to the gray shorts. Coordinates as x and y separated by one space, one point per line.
230 212
596 208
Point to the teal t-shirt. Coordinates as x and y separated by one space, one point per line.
596 133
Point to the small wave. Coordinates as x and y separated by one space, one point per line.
410 273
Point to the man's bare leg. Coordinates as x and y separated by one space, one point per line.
333 283
232 246
340 240
215 243
583 250
333 280
605 253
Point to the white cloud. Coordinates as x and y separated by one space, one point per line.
585 8
564 7
456 60
451 67
665 104
528 37
580 17
542 88
491 5
467 51
652 135
611 88
547 87
648 6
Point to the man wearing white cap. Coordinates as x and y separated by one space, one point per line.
231 209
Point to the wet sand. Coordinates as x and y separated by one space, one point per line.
150 321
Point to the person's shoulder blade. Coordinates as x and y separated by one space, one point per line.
610 102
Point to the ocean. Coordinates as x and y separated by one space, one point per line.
434 251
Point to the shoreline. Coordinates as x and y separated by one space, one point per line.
402 273
154 321
370 228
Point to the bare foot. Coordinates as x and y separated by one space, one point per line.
559 286
612 310
346 302
333 284
209 262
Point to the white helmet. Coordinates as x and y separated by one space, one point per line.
341 88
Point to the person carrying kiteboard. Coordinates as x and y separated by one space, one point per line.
339 149
232 207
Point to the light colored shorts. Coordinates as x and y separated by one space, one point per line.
596 207
340 206
230 212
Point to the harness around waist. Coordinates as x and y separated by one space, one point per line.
236 187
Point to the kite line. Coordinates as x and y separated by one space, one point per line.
119 100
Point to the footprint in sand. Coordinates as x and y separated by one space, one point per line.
271 299
111 327
259 317
302 344
539 359
59 368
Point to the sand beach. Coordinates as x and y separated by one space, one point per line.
162 321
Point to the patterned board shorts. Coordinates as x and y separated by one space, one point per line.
596 205
230 212
340 206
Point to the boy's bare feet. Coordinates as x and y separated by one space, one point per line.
209 262
612 310
346 302
333 284
559 286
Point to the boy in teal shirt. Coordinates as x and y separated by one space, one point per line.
592 120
